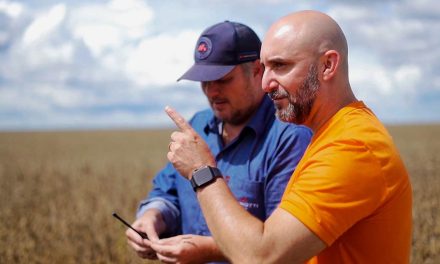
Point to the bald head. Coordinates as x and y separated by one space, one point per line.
308 31
305 56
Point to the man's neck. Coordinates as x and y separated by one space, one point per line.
322 111
230 132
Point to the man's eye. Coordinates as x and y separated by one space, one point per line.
277 65
223 81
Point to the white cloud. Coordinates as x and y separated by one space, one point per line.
49 54
345 12
28 101
420 8
12 9
3 38
44 24
59 96
407 77
367 76
98 37
371 80
110 26
162 59
130 13
115 63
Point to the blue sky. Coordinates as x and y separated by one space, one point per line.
114 64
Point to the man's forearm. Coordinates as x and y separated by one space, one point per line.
241 237
213 252
237 233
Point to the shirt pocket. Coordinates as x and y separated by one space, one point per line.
250 195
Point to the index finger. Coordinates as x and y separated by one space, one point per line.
178 119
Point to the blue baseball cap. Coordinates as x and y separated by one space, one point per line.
220 48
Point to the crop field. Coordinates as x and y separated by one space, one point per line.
59 189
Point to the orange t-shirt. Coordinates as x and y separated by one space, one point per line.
352 190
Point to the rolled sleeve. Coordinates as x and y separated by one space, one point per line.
170 213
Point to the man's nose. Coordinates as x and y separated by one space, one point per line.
211 88
268 83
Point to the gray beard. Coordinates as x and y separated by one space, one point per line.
300 103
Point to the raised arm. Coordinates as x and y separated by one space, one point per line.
241 237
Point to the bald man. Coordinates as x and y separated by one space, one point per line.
349 199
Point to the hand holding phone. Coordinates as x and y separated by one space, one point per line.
142 234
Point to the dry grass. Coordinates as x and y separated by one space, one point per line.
58 191
420 149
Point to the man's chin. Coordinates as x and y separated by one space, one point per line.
287 118
222 115
282 117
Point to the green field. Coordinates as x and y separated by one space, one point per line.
58 190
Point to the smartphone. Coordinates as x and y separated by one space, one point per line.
142 234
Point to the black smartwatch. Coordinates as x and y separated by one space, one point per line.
204 176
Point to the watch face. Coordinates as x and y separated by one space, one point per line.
203 176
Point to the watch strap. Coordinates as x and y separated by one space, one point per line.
204 176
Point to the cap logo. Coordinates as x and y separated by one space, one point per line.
204 48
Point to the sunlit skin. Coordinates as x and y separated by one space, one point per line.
285 69
300 103
287 54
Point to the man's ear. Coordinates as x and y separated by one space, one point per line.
258 68
330 62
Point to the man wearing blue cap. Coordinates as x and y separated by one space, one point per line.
255 152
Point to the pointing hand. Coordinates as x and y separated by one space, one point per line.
187 150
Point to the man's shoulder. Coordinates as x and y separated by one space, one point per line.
203 116
201 119
281 134
288 129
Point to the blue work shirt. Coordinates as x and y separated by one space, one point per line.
256 166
